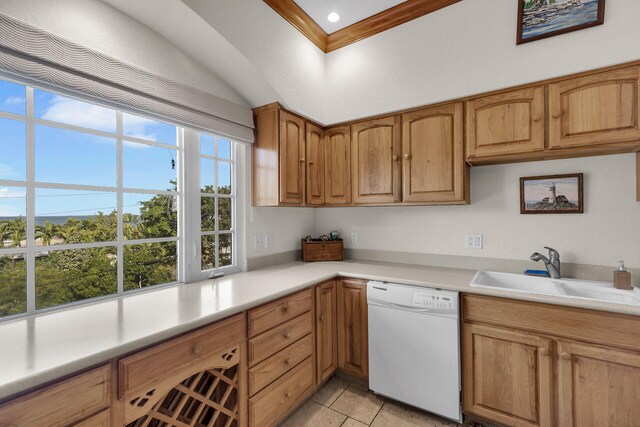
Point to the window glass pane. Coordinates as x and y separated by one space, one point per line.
206 144
207 213
71 216
70 157
148 167
207 175
73 275
224 251
13 150
224 178
13 209
13 98
224 213
13 284
58 108
143 128
149 264
149 216
224 148
208 249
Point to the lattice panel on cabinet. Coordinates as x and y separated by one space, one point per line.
206 399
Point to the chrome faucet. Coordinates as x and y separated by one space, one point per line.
552 263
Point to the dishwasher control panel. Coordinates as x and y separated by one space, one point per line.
437 300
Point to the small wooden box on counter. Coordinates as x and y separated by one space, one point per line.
329 250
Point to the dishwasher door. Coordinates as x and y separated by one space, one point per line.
414 354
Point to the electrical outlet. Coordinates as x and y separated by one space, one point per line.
257 242
473 241
354 237
268 241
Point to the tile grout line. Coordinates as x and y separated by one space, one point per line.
379 410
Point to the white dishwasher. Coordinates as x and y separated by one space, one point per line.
414 346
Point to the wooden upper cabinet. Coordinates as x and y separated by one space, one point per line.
353 329
326 330
375 160
595 109
433 164
315 165
506 123
292 160
508 376
337 148
598 386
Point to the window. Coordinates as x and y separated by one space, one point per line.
90 201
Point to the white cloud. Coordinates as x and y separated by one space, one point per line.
78 113
14 100
6 193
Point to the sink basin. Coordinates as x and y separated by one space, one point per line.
566 288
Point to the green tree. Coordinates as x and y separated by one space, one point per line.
46 232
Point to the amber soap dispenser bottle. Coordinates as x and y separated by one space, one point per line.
622 278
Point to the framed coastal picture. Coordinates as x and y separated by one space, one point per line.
551 194
538 19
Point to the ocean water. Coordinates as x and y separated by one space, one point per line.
57 220
570 17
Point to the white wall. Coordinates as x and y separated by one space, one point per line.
465 49
608 231
98 26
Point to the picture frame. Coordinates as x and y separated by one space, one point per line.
538 20
552 194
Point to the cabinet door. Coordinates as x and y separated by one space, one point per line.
507 376
353 345
596 109
434 168
506 123
375 160
598 386
337 165
315 165
326 329
292 161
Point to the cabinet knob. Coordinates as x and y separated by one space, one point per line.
287 335
407 156
395 158
302 160
288 362
322 317
544 351
310 163
285 308
537 118
197 349
557 115
566 356
287 394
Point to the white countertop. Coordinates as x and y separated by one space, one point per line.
41 348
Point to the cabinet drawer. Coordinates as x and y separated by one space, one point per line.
274 367
103 419
272 341
268 406
177 356
63 403
273 314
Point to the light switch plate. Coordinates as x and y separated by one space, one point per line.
473 241
354 238
257 242
268 241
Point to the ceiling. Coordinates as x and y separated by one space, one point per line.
351 11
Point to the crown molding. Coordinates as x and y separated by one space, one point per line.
397 15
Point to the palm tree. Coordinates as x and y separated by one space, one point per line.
17 232
46 232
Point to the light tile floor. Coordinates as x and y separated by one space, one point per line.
341 403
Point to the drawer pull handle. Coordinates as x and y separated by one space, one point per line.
287 335
322 317
288 362
544 351
566 356
196 349
287 394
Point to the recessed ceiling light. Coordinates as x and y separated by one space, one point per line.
333 17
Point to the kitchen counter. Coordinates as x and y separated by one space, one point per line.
42 348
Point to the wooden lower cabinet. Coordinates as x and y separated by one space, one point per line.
353 343
326 329
598 386
507 376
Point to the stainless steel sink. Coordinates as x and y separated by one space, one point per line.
567 288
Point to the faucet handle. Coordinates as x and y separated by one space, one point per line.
553 254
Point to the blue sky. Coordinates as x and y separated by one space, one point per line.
69 157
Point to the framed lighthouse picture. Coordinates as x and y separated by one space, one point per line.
551 194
